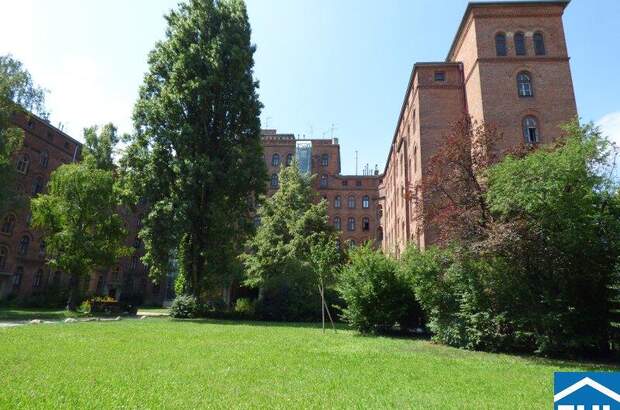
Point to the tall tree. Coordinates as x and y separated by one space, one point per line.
99 146
18 94
196 156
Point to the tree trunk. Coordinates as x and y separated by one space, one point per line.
322 309
72 300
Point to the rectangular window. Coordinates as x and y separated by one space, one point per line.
440 76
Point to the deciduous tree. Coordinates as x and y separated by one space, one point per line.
196 156
81 227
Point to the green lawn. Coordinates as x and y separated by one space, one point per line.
162 363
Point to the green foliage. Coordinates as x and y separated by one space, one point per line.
377 298
279 259
245 306
18 94
540 278
196 157
79 219
184 306
99 147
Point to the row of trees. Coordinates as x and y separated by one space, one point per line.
528 252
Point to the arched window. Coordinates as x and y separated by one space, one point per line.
274 181
139 221
539 44
289 159
44 159
337 203
500 44
337 224
8 224
324 160
24 243
41 247
379 233
351 243
323 181
275 160
22 164
351 224
365 202
365 224
37 185
524 84
379 211
136 243
530 130
351 202
4 253
38 278
520 44
17 277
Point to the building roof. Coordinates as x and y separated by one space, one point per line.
475 4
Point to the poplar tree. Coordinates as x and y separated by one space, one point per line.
196 156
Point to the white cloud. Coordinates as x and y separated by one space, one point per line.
610 126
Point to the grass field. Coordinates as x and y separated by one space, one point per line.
162 363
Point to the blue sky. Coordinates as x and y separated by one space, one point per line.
319 62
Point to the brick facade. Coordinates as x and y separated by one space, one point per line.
482 79
352 199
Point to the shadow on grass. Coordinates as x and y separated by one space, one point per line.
606 364
26 314
260 323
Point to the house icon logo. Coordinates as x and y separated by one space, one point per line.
586 391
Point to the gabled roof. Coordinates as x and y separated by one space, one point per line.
474 4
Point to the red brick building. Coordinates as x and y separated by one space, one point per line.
352 199
24 273
508 66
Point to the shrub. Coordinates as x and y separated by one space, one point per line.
245 306
290 297
376 297
85 307
184 306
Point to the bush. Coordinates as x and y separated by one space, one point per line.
184 306
290 297
377 298
245 306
